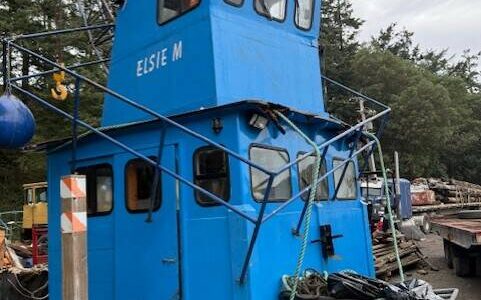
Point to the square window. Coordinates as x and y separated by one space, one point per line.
99 180
170 9
305 177
140 176
272 9
211 172
348 188
272 160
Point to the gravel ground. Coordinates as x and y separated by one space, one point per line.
432 246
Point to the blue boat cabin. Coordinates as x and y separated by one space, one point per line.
220 69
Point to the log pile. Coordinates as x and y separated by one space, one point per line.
449 191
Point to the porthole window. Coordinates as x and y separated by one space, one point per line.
272 9
303 13
211 172
272 160
99 181
171 9
139 183
348 187
305 177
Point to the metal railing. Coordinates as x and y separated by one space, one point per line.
262 217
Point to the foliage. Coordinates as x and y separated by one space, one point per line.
435 100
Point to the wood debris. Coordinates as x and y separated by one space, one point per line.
385 257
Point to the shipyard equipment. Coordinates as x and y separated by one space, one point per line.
214 132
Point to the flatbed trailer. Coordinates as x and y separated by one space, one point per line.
423 214
462 243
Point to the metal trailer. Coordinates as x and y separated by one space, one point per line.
462 243
423 215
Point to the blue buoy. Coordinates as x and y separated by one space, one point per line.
17 124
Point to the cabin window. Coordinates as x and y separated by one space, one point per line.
99 180
140 177
235 2
347 190
304 13
272 160
170 9
211 171
305 177
272 9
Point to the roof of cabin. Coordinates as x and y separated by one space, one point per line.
260 106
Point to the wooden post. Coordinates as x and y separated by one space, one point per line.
74 237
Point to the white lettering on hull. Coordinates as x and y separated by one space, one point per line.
159 59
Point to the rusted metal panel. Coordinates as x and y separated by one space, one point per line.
426 197
463 232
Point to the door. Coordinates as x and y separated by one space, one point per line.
147 261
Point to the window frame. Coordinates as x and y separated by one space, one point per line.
174 18
286 10
313 7
95 167
269 147
126 188
234 4
194 169
299 177
351 161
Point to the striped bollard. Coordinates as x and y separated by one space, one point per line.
73 223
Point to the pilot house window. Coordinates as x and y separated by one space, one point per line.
347 189
99 188
303 14
305 177
211 171
272 9
170 9
272 160
140 177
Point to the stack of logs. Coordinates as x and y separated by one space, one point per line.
385 256
449 191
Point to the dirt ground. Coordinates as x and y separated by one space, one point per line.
432 246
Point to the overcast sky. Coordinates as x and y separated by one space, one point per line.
437 24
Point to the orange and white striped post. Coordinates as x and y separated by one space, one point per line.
73 222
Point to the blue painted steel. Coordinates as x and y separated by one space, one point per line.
405 203
17 124
229 54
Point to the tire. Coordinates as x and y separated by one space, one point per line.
462 266
469 214
426 225
448 253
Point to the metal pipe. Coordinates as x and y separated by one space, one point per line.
338 187
354 91
321 178
144 109
60 31
301 218
334 139
90 63
257 228
74 125
139 155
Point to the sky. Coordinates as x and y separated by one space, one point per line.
437 24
